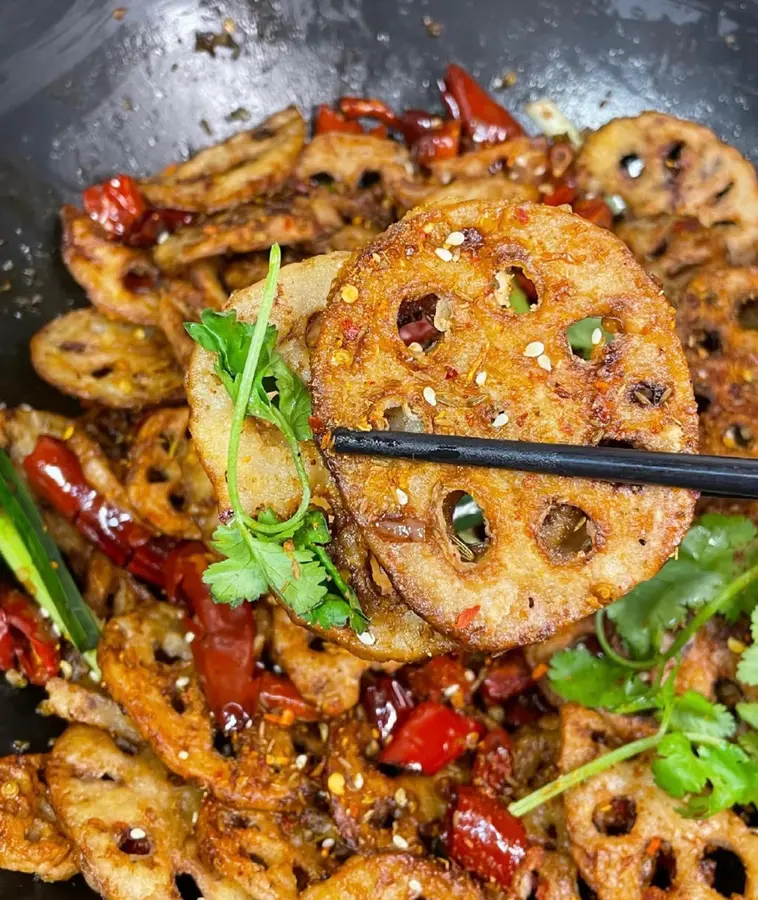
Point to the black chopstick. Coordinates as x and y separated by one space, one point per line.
715 476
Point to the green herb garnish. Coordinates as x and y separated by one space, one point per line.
38 565
697 759
263 553
581 334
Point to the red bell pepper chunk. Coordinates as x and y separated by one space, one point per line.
278 693
507 678
387 703
484 837
55 473
493 764
26 640
595 210
436 680
432 736
328 120
484 120
117 204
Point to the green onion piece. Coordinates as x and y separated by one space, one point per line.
518 300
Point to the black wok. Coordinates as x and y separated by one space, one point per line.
84 93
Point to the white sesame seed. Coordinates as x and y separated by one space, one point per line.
94 677
481 377
189 637
367 638
415 886
44 613
597 336
327 843
500 420
137 834
470 676
358 781
195 817
56 631
301 761
430 396
401 798
182 754
536 348
182 682
400 842
543 362
402 497
66 669
451 689
415 347
455 238
444 254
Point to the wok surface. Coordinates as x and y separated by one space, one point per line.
84 93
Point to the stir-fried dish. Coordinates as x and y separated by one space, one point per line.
290 673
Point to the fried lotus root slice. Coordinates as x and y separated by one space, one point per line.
110 590
673 249
663 165
627 834
553 550
166 483
267 474
326 675
243 230
130 821
493 188
272 857
88 706
236 171
373 812
30 838
395 876
88 356
143 656
545 874
122 282
183 299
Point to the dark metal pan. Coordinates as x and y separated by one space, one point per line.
85 91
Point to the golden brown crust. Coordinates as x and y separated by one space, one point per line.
687 171
166 483
395 876
248 164
88 356
122 282
649 831
102 794
267 475
525 585
30 838
88 706
132 652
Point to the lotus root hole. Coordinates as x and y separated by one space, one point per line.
659 871
748 814
222 742
187 887
649 393
738 437
747 314
515 290
313 329
703 402
673 159
322 179
632 165
466 525
134 842
584 890
724 871
137 282
402 418
258 860
615 817
155 475
369 178
708 341
587 335
423 321
102 372
167 653
566 533
316 644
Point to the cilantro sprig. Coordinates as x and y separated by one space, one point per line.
704 756
263 553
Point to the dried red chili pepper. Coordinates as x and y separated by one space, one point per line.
432 736
595 210
117 204
369 108
387 702
509 676
484 837
493 764
327 120
26 640
437 680
275 692
440 143
484 120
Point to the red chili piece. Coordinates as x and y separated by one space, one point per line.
369 108
56 475
328 119
564 191
436 680
493 764
484 120
595 210
278 693
387 703
440 143
432 736
508 677
26 640
155 223
484 837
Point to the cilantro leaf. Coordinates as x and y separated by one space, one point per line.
692 711
294 401
676 769
732 778
237 577
749 743
580 676
748 712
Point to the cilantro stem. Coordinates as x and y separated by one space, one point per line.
246 382
605 645
577 776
